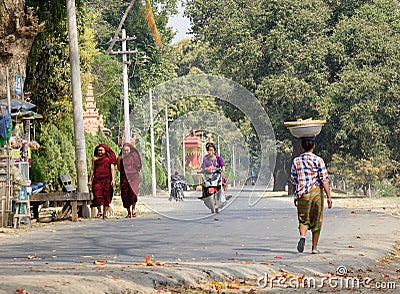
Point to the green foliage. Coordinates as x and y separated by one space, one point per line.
147 68
106 73
145 178
48 74
274 48
190 56
366 96
386 189
56 155
334 60
143 145
360 173
161 175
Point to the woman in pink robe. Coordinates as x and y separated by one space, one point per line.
129 164
102 178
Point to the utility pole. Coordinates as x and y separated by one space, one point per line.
153 155
218 146
234 166
79 134
168 151
124 52
183 151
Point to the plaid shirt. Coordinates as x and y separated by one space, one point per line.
308 171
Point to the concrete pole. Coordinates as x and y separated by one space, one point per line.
168 152
233 166
127 127
79 134
183 152
218 146
153 156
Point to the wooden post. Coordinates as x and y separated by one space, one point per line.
74 206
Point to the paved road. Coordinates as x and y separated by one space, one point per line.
185 231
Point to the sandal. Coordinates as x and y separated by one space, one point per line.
128 216
134 214
300 245
99 215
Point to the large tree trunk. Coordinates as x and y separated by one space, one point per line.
18 28
280 173
295 152
282 168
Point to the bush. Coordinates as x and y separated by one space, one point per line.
386 190
56 156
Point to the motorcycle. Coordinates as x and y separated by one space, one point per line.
177 190
212 191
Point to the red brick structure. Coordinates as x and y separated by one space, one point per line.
93 121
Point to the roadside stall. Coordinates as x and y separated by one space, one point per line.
15 160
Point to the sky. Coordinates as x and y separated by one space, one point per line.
180 25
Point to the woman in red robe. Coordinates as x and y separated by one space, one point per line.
102 178
129 164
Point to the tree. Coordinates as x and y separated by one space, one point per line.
189 55
18 28
48 74
149 67
365 93
56 156
275 49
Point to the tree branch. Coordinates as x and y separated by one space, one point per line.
120 25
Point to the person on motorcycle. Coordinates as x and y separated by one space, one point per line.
212 161
175 177
176 183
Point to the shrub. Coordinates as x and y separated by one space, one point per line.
386 190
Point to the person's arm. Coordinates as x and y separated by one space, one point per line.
221 163
119 158
294 180
112 175
295 199
328 193
203 164
91 173
138 161
325 182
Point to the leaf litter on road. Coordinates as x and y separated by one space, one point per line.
151 262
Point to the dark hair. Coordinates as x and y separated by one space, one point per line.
96 150
209 145
307 144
